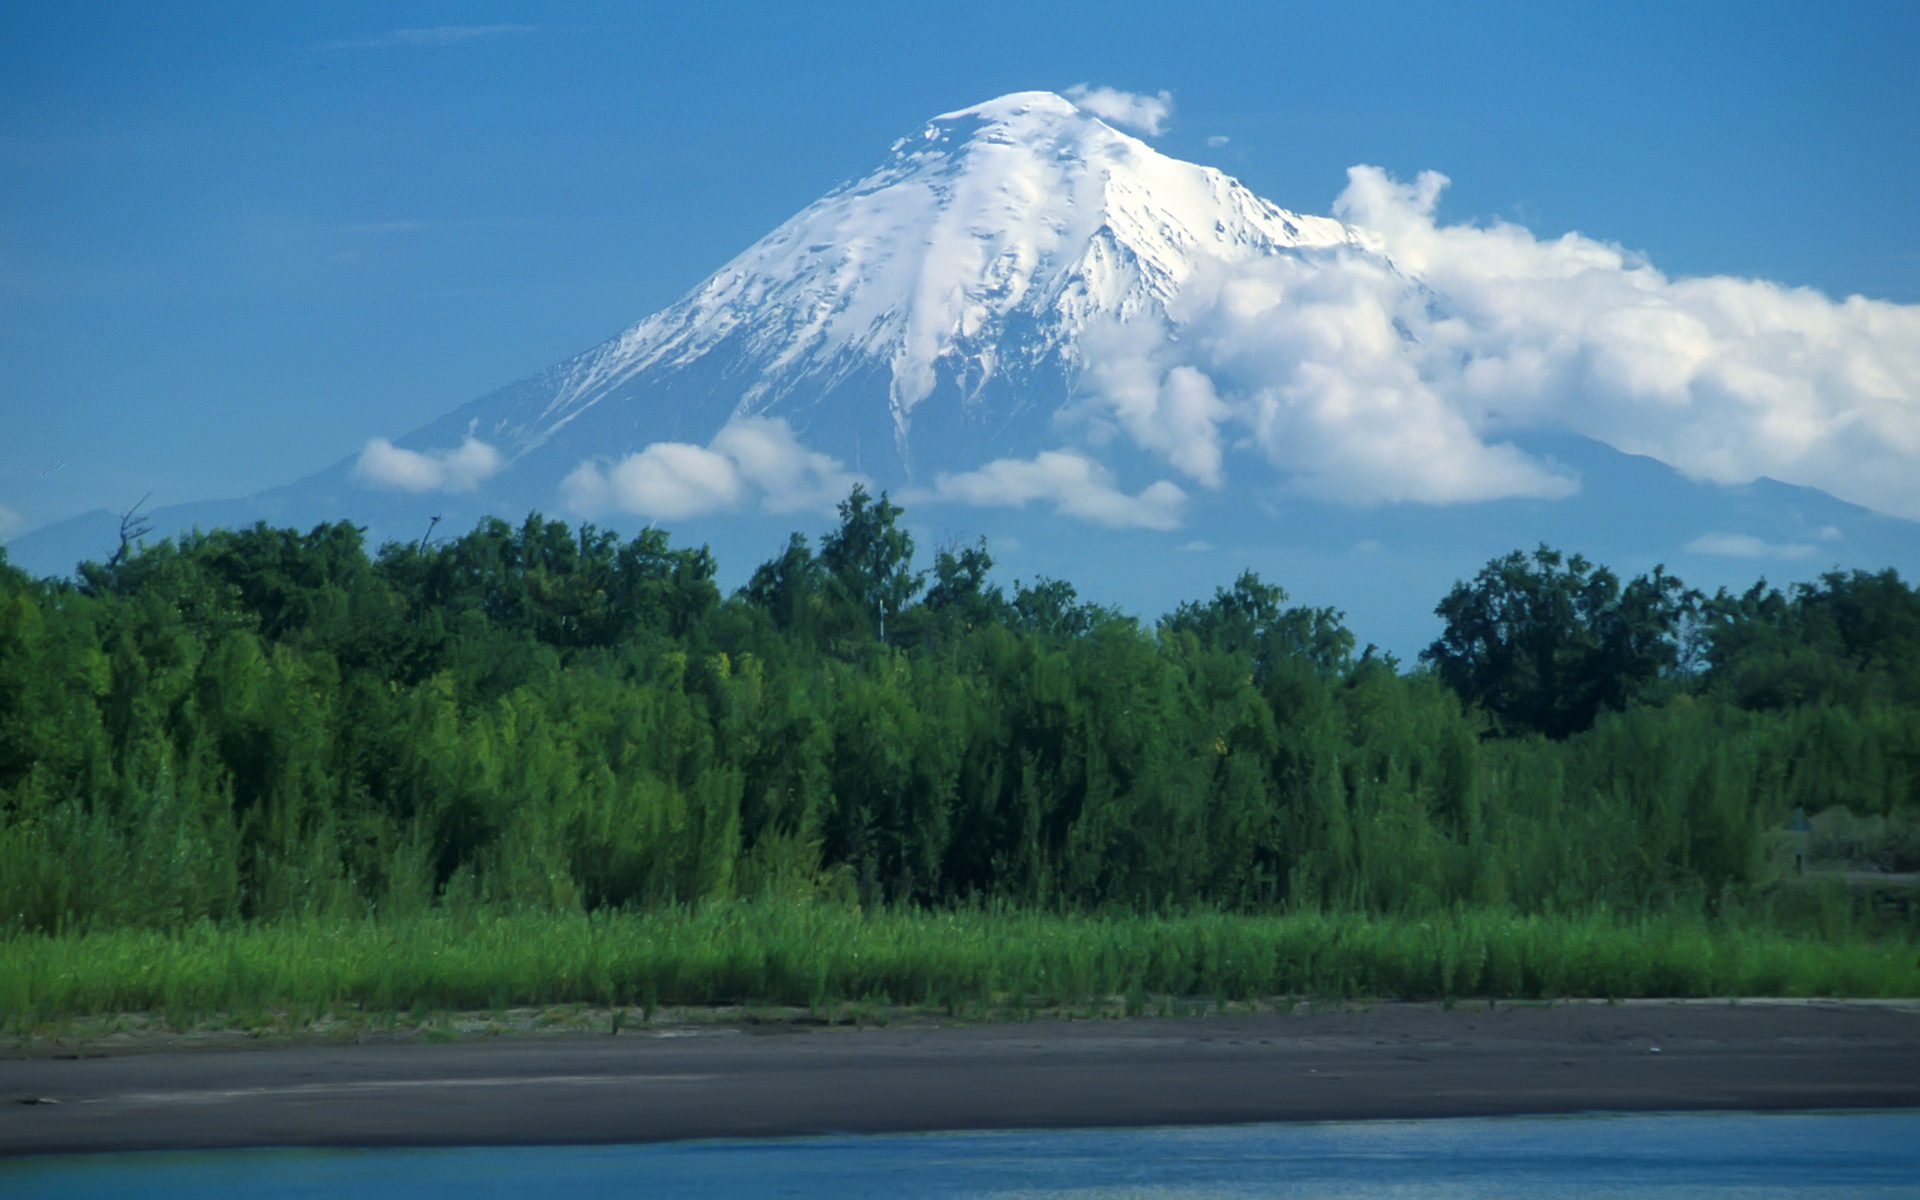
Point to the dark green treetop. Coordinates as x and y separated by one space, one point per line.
1544 642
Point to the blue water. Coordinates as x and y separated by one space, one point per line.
1693 1155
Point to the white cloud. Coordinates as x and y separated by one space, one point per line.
1143 114
749 457
1167 407
9 520
793 478
461 469
1076 485
1745 545
1217 140
1363 386
1302 363
666 481
1726 379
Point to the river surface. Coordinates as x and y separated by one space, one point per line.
1694 1155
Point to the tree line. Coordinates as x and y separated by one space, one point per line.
258 723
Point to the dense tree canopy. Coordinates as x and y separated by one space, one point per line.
1249 619
1850 637
261 722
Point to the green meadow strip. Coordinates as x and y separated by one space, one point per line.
975 961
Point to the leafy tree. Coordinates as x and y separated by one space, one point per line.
868 560
960 589
788 588
1051 608
1545 642
1852 637
1251 619
52 673
570 590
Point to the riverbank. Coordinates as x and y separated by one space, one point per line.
681 1080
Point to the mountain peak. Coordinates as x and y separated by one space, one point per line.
1016 105
965 268
1040 121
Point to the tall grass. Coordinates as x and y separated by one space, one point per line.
821 954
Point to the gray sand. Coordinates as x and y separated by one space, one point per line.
1386 1061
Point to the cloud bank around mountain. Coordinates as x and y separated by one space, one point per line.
1361 387
1399 376
1129 110
461 469
750 459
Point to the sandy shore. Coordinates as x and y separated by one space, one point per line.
704 1081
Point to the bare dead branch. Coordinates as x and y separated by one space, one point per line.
133 527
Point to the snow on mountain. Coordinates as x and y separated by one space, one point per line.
961 274
1033 327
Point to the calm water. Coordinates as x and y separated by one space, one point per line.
1716 1155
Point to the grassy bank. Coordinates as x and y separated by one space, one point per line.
983 963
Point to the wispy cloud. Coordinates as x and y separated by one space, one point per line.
1143 114
9 521
461 469
1745 545
438 35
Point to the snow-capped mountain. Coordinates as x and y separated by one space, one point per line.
1031 326
923 316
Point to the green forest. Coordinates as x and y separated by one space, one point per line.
242 728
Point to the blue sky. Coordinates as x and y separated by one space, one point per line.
236 244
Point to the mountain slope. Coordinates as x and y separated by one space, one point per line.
946 293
